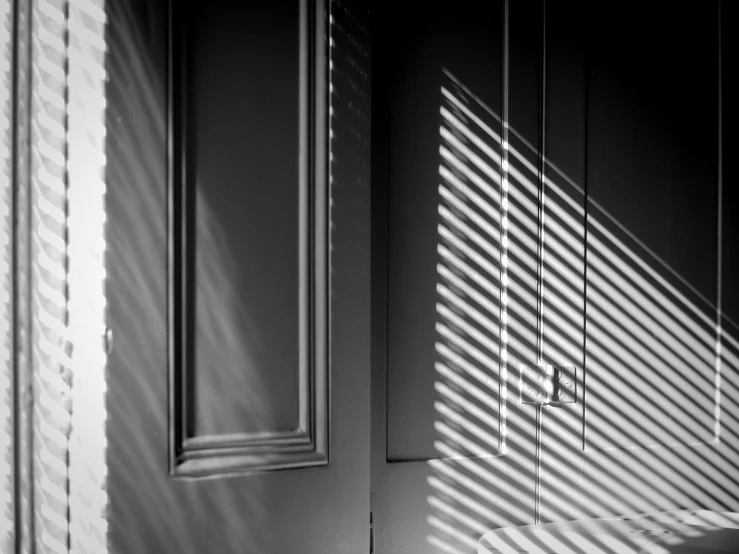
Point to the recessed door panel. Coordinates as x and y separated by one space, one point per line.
242 120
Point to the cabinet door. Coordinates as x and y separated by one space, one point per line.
632 259
238 263
456 260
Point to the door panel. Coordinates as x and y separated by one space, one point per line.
248 369
219 233
453 451
242 138
646 433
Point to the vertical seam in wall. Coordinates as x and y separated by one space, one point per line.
172 438
537 468
68 433
540 253
30 540
14 205
586 78
386 354
542 170
21 212
502 382
719 249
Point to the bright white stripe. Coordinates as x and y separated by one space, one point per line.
87 447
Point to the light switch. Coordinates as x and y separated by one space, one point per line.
547 384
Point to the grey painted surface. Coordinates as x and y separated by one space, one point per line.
319 510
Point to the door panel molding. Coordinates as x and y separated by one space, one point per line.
192 454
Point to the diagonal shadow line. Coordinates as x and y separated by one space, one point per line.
671 400
707 460
482 513
711 398
669 321
561 313
628 341
675 316
564 295
679 348
564 496
553 187
457 188
694 330
488 322
627 484
506 494
615 490
664 326
635 407
639 262
654 291
549 164
483 524
557 292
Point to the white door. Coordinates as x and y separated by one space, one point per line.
238 277
194 177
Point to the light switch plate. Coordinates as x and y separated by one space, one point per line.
536 383
547 384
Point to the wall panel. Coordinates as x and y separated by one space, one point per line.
247 237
